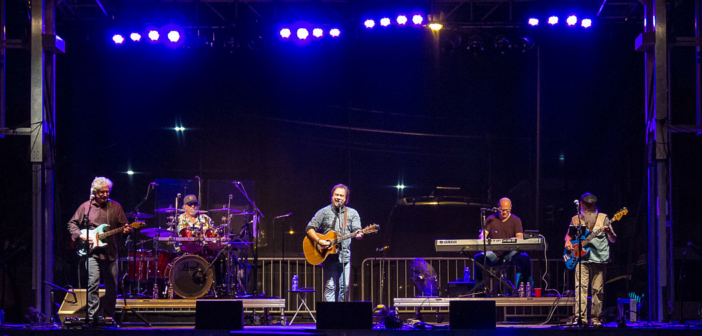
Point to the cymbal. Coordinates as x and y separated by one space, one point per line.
169 210
224 210
244 213
139 215
153 232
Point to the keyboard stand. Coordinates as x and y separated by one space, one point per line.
488 273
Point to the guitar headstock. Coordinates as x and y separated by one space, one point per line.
371 228
137 225
617 216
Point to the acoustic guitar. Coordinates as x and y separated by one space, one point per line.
316 254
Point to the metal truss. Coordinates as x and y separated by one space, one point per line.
452 13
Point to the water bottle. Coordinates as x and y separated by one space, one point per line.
521 289
295 284
528 289
466 274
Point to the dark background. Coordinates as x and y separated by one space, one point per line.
297 120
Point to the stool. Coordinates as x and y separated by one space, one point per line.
632 308
302 296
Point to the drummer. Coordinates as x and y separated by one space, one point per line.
192 218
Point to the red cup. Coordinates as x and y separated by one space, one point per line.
537 292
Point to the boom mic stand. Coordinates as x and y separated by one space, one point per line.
580 266
125 307
254 232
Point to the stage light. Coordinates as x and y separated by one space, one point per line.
400 186
302 33
285 33
335 32
385 22
502 44
553 20
533 22
523 44
417 19
572 20
369 23
401 20
586 23
136 37
118 39
318 32
179 128
173 36
475 44
154 35
130 172
435 26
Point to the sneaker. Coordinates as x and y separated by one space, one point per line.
596 323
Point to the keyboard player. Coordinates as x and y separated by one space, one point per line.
505 225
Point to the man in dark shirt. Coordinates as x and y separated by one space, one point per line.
102 261
505 225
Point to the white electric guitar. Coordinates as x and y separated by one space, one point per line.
98 236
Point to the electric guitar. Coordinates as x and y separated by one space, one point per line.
571 257
98 235
316 254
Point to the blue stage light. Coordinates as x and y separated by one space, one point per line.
285 33
572 20
302 33
553 20
586 23
385 22
136 37
173 36
401 20
417 19
335 32
118 39
317 32
369 23
154 35
533 22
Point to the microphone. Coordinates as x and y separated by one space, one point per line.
197 177
286 215
153 183
178 195
495 209
576 202
92 197
236 182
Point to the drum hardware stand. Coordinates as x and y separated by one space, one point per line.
136 262
127 308
254 233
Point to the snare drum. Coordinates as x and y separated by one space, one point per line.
218 233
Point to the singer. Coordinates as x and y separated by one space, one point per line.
336 267
102 261
505 225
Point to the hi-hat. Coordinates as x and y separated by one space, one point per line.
139 215
153 232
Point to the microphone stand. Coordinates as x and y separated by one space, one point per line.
135 212
86 225
580 265
125 306
254 231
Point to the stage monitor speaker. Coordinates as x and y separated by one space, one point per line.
74 303
472 314
219 314
345 315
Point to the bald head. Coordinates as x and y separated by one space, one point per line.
505 208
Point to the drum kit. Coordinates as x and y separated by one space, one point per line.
196 261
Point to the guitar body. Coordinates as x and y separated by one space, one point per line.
92 234
99 237
572 257
315 253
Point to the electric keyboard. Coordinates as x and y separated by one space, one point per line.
460 245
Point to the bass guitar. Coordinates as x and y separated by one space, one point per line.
316 254
98 236
572 257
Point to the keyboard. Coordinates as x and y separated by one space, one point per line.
459 245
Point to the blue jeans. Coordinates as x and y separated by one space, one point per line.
521 260
108 271
336 275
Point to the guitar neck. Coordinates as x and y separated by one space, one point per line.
101 236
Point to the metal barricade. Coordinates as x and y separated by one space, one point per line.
274 273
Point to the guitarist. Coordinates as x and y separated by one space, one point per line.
344 220
593 265
102 261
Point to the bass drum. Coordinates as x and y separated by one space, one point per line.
188 278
